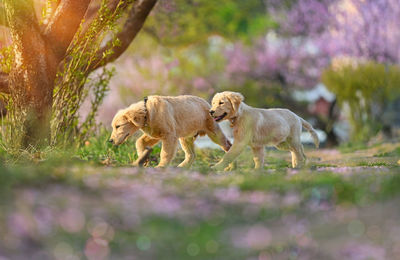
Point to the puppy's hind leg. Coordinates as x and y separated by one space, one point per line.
258 158
188 147
302 152
168 150
298 157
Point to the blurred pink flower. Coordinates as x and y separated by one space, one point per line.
231 194
356 251
201 84
255 237
72 220
96 249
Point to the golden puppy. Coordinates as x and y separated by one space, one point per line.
167 119
259 127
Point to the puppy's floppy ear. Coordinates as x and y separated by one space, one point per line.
235 98
134 117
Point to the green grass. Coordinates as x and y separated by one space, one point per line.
352 147
394 152
371 164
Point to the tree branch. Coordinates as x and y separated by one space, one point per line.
64 24
4 87
136 18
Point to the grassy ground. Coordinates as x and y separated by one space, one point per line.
93 205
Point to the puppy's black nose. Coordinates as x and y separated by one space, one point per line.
212 112
111 141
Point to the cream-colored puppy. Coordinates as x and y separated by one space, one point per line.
259 127
167 119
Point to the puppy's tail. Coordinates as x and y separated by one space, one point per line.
311 130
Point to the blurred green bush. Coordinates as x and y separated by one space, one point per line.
365 90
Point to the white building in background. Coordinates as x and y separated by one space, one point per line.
311 96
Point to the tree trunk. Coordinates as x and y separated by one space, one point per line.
33 74
32 81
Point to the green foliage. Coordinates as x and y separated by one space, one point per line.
99 87
194 21
6 59
8 132
11 127
360 87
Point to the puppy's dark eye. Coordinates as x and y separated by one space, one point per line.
221 102
116 127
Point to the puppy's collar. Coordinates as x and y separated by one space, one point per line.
145 110
233 120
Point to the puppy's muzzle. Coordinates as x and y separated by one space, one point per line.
219 118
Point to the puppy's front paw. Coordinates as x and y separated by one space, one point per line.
161 166
135 164
184 165
230 167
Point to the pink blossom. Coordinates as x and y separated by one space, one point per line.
253 237
358 251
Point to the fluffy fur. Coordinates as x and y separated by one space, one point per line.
259 127
168 119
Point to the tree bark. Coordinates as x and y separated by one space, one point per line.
33 73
